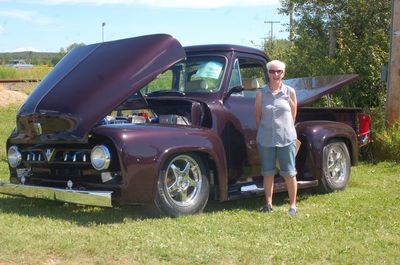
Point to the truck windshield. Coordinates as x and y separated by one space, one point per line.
199 74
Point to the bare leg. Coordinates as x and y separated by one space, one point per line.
291 184
268 189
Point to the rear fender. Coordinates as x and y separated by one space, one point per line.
314 135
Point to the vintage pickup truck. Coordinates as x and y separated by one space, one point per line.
146 121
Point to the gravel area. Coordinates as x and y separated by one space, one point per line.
10 97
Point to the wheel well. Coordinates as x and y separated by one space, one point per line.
212 173
210 166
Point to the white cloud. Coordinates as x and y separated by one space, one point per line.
1 29
29 16
171 3
16 13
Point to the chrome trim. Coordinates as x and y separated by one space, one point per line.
18 156
37 128
94 198
49 153
107 157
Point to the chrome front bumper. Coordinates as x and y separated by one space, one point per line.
94 198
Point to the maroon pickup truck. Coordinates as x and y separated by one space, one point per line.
147 121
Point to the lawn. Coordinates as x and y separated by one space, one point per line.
360 225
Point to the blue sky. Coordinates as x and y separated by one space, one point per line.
48 25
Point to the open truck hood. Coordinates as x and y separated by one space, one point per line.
90 81
309 89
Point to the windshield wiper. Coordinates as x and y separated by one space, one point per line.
180 93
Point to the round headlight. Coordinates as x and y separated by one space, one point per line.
14 156
100 157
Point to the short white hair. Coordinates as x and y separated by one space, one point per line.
279 65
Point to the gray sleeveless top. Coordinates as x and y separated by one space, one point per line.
276 124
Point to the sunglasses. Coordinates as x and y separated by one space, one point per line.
275 72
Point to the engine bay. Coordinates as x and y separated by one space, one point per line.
162 111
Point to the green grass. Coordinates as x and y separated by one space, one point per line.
7 116
357 226
360 225
37 72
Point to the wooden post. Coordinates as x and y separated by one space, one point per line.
393 89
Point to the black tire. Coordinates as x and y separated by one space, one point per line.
182 187
336 167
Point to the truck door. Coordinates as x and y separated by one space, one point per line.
243 156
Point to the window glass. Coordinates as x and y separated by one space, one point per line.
235 77
201 74
252 73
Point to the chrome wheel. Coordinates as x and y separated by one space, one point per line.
183 186
336 166
183 180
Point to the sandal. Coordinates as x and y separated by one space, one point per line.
292 212
266 209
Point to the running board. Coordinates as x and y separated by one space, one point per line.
252 189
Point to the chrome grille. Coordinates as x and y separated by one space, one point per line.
56 155
75 156
35 156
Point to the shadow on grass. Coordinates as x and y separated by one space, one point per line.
81 215
255 203
88 215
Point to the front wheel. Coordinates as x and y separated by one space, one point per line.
336 166
182 186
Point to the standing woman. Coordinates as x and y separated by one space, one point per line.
276 109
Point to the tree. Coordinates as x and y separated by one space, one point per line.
392 105
64 51
276 49
339 37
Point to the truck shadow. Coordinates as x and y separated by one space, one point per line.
81 215
88 215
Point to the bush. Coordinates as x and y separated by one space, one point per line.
386 144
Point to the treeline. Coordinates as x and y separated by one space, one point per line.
38 58
35 58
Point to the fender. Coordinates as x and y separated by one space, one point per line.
314 135
143 149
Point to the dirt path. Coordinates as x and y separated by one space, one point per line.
9 97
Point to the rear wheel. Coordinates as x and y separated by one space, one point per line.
336 166
182 186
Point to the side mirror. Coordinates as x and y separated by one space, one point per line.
235 89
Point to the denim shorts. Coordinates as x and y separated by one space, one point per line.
286 155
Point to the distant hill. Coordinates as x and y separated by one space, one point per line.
35 58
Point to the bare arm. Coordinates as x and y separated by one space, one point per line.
258 108
293 103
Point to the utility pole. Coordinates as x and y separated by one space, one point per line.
291 21
102 30
272 27
393 86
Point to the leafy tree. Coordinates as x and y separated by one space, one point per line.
277 49
73 46
339 37
64 51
